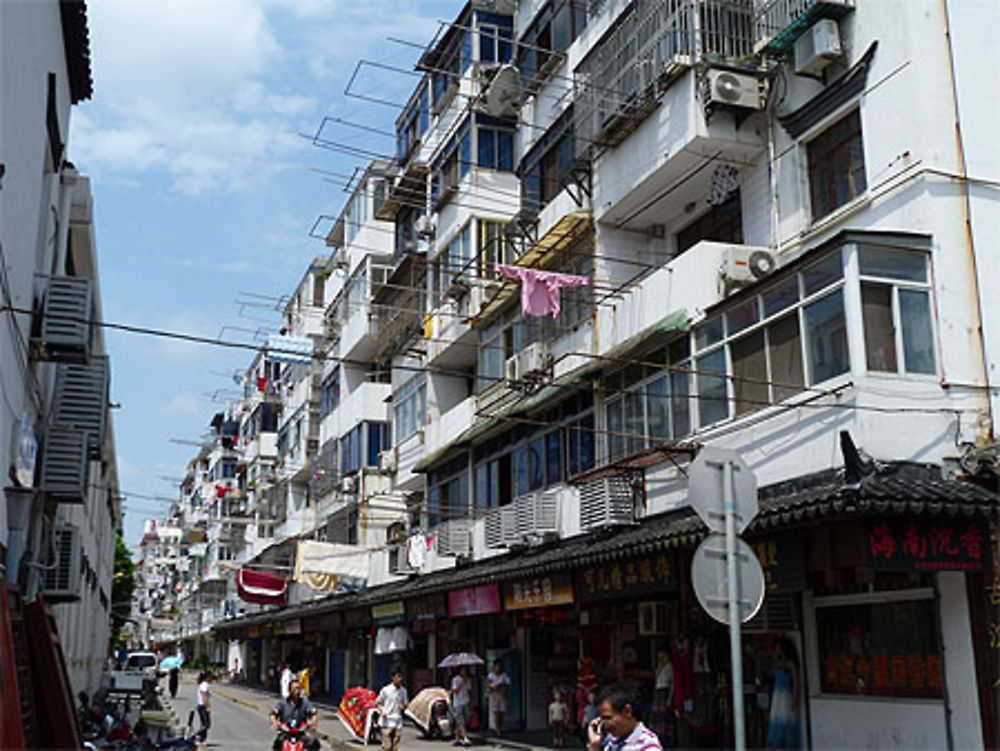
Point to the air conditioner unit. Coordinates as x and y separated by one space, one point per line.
61 579
66 326
453 539
500 527
743 265
728 89
537 514
341 259
80 401
532 359
606 502
387 461
347 484
64 465
426 228
817 47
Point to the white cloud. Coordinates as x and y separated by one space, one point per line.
183 404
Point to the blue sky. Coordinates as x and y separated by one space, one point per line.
204 190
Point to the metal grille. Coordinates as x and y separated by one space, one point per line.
453 538
620 82
81 399
778 613
66 313
62 581
606 502
64 465
772 18
501 527
537 513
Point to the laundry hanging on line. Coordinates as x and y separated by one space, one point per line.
540 290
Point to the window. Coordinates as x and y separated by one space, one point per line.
723 224
409 406
407 221
498 342
547 166
455 261
896 306
448 491
451 165
494 248
319 282
836 166
880 649
330 398
412 124
553 29
360 446
495 146
496 35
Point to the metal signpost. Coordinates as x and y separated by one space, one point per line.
723 491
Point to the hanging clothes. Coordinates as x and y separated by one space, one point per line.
682 659
541 290
416 552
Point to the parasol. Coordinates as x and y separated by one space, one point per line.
169 663
459 659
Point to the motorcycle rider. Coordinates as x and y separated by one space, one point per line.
295 708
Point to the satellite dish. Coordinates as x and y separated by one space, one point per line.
502 97
728 87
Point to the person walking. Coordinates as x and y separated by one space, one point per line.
461 699
497 686
391 702
616 727
172 681
287 676
204 706
783 725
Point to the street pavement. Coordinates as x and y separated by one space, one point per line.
240 721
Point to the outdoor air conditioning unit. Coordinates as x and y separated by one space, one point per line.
532 359
728 89
80 401
606 502
66 326
426 228
480 295
453 539
537 514
341 259
743 265
512 369
65 459
500 527
347 484
817 47
387 461
61 579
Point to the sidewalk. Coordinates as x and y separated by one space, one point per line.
332 731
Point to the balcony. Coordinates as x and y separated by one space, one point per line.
263 446
778 23
443 431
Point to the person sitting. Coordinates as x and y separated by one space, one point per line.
296 710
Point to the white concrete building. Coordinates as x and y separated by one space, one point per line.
61 507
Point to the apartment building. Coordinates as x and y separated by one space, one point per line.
61 506
758 251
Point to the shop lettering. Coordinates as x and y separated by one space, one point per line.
626 577
912 546
544 617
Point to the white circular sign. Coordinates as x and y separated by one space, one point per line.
710 578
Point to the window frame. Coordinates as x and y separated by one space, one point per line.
825 160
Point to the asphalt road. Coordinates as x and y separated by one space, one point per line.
234 726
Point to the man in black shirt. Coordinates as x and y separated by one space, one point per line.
296 710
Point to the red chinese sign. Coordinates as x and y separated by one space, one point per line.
927 545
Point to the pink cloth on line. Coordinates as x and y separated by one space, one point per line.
540 290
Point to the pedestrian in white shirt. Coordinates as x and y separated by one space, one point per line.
461 699
391 702
497 686
204 705
287 676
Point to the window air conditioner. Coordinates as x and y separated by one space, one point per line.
64 465
743 265
725 88
453 539
817 47
81 399
387 461
66 326
61 579
532 359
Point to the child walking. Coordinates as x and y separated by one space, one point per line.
558 714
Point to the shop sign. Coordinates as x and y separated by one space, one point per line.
783 562
432 606
539 592
633 577
388 613
481 600
288 628
356 618
543 618
939 545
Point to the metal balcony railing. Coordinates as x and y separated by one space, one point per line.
619 83
778 23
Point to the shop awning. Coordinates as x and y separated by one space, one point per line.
261 589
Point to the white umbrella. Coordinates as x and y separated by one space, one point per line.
458 659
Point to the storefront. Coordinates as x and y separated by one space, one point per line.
473 625
423 614
391 648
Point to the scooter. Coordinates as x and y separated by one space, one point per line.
292 736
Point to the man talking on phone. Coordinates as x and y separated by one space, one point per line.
616 728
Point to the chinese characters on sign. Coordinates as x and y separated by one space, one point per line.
633 576
781 558
939 545
542 591
481 600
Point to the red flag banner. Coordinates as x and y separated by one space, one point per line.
260 588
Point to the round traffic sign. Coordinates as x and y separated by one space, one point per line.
706 489
710 578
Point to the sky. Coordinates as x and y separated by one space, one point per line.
204 189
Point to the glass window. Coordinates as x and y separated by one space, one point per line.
836 166
658 410
750 388
784 343
890 263
708 333
880 649
742 316
880 332
553 458
781 296
823 274
536 464
826 337
581 451
519 462
918 339
713 404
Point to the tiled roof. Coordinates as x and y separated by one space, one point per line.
894 489
76 40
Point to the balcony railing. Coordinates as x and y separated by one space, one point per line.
619 83
778 23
